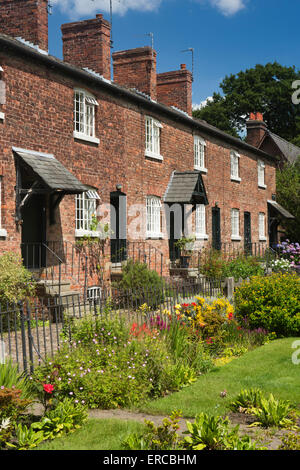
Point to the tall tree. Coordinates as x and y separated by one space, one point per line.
264 88
288 194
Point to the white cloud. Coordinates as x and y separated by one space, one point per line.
79 8
228 7
203 103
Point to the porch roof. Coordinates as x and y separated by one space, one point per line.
186 188
280 210
50 172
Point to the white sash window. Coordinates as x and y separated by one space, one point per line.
261 174
200 221
262 226
235 224
85 212
84 116
235 166
199 154
153 129
153 217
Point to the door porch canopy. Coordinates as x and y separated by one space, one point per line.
186 188
47 176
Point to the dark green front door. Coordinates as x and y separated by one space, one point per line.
118 222
216 228
247 233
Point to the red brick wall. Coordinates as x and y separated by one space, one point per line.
136 68
39 116
175 89
27 19
87 44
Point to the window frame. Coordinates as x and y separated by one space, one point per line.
85 220
85 116
262 225
261 166
152 138
153 217
235 225
199 154
200 222
235 165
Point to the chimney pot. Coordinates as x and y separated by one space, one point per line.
256 129
175 89
183 66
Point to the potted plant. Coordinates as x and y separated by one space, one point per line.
185 245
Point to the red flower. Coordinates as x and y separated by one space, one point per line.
48 388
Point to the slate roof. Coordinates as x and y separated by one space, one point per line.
290 151
51 172
186 188
281 210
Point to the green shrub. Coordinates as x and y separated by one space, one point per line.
275 413
162 437
139 285
10 377
212 264
247 400
272 303
16 281
242 267
215 433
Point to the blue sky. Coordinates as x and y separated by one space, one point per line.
227 35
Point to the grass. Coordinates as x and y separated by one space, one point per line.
269 367
96 434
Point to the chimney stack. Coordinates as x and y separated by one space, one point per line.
256 129
27 19
175 89
86 44
136 68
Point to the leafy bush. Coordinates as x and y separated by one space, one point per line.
247 400
242 267
215 433
115 367
10 377
16 281
139 285
162 437
272 412
272 303
212 264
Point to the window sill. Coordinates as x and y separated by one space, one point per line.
236 179
203 170
3 232
154 236
2 116
236 238
87 233
155 156
201 236
262 239
262 186
86 138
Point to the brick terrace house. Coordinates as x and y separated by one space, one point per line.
74 143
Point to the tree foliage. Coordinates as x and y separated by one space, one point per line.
264 88
288 194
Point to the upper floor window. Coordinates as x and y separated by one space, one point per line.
261 173
86 206
84 116
235 166
199 153
153 217
153 129
262 226
200 224
235 224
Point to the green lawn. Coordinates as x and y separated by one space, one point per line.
96 434
269 367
